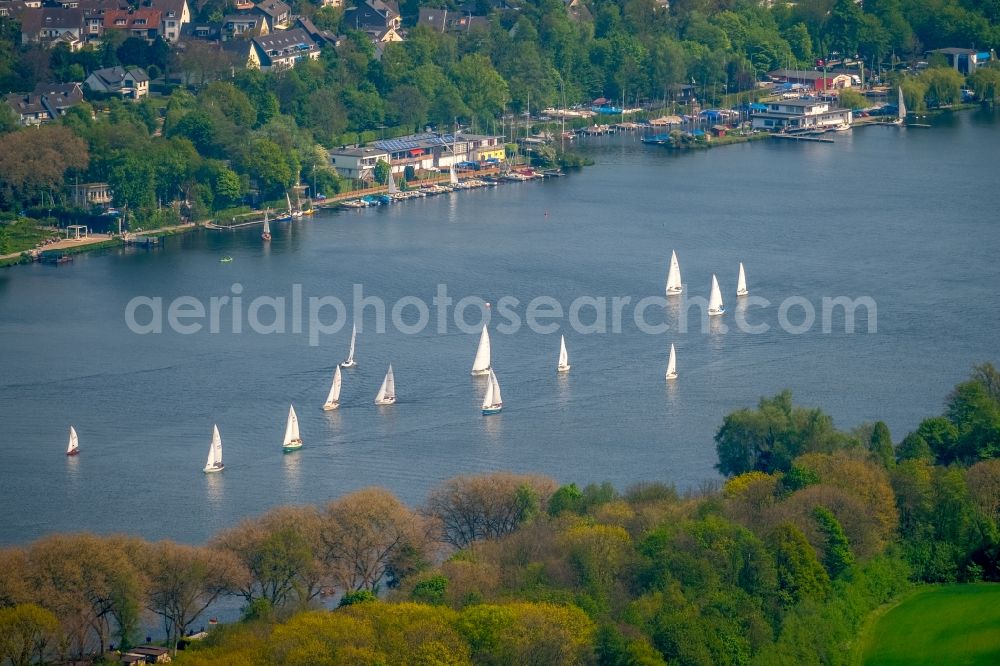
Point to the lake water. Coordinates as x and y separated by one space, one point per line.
907 217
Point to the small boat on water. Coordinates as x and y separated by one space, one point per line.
292 441
674 285
563 365
492 402
214 463
481 364
333 399
901 109
266 233
387 392
349 362
292 212
74 443
741 283
452 176
715 306
672 363
226 260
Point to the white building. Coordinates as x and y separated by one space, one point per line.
358 163
800 114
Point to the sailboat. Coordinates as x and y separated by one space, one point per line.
901 114
74 443
390 181
674 286
266 233
387 392
292 212
292 440
481 364
741 283
350 362
492 402
563 356
452 176
214 463
672 363
715 306
333 399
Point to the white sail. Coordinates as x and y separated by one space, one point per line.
674 276
350 354
741 283
488 396
267 225
214 462
902 106
563 355
492 399
715 306
292 439
390 181
333 399
495 383
452 175
481 364
74 442
289 200
387 392
672 363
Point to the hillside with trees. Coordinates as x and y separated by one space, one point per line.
217 136
812 530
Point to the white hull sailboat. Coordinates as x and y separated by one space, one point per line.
350 362
333 399
674 285
391 188
292 440
563 365
73 448
481 364
741 283
901 109
452 176
715 306
672 363
265 234
492 402
292 212
387 392
214 463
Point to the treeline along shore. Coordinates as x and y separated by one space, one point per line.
812 529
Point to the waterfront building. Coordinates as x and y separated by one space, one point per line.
964 61
800 114
811 78
428 151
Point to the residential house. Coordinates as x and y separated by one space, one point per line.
332 3
175 14
12 9
47 102
811 78
46 24
283 49
92 194
321 37
277 13
374 15
235 25
444 21
151 654
141 23
800 114
357 163
965 61
93 15
209 31
130 83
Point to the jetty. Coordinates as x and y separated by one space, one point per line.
802 137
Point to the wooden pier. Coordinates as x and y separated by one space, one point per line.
803 137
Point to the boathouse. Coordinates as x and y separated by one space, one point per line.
800 114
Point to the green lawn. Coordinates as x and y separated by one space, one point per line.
23 235
953 624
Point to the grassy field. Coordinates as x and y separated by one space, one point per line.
957 625
24 234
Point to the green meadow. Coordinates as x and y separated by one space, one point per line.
955 624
